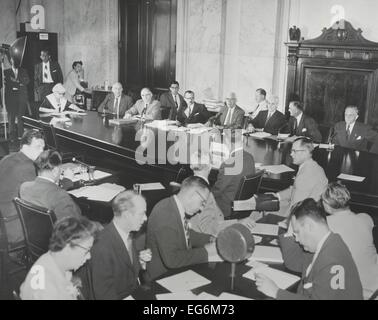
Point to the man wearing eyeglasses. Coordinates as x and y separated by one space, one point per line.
310 181
115 262
192 112
171 101
173 243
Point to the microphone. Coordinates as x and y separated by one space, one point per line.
74 160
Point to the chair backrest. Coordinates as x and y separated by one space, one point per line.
37 223
50 136
249 185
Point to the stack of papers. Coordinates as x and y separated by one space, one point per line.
103 192
151 186
97 176
265 229
277 169
350 177
260 135
184 281
267 254
282 279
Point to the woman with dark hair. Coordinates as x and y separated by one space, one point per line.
356 231
50 278
73 81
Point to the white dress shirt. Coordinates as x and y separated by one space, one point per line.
182 216
228 119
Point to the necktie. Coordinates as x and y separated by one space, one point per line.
228 118
175 99
187 233
45 76
116 107
295 126
267 118
348 132
15 71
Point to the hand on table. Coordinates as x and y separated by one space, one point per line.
266 285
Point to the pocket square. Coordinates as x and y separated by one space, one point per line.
358 138
54 70
304 130
307 285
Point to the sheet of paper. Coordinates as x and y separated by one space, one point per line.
267 254
260 135
184 281
244 205
350 177
230 296
104 192
151 186
274 242
277 169
177 296
81 113
257 239
282 279
206 296
265 229
129 298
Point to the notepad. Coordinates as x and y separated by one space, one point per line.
277 169
184 281
177 296
151 186
267 254
282 279
265 229
350 177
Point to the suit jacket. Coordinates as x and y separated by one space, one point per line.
310 182
153 110
15 169
50 99
236 121
306 127
320 283
55 70
114 276
199 114
167 241
108 104
166 101
47 194
16 92
359 137
275 123
227 183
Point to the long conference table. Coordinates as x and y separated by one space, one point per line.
117 147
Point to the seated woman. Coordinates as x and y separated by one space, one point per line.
73 81
356 231
50 278
56 102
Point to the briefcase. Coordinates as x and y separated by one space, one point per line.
267 202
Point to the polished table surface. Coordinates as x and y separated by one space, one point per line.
117 146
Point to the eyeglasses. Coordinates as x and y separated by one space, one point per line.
87 250
296 151
204 200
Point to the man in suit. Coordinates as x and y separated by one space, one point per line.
353 134
46 74
145 107
45 192
16 97
301 124
230 116
172 242
15 169
271 120
115 262
171 101
260 98
328 269
240 163
116 102
191 111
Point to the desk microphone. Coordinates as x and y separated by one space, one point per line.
79 162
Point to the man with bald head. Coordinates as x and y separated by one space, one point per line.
116 102
271 120
146 107
352 133
230 116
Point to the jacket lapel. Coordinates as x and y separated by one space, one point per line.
179 221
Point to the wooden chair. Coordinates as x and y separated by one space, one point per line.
37 223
